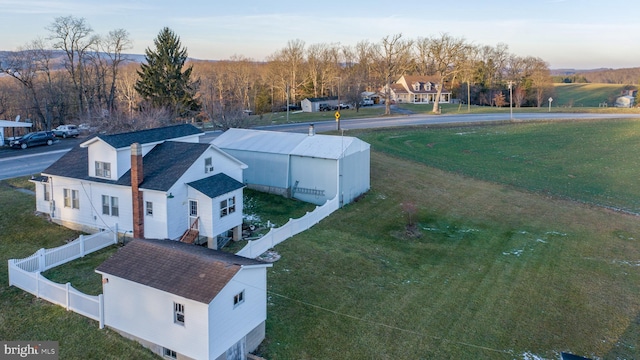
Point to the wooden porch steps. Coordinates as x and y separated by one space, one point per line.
189 236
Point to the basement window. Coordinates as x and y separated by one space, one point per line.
168 353
178 313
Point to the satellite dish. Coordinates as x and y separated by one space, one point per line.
17 118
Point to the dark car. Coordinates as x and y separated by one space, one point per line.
325 107
34 139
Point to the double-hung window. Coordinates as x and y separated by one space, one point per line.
103 169
71 198
110 205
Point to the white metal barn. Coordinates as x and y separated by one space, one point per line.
309 167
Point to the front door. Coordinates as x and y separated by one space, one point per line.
193 214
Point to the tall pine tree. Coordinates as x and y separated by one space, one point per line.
162 83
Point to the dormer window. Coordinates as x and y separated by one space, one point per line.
103 169
208 165
427 86
416 86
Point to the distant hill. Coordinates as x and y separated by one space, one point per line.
626 76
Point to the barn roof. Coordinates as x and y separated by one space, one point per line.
274 142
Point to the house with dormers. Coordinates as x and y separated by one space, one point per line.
185 302
157 183
416 89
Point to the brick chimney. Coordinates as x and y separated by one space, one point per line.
137 175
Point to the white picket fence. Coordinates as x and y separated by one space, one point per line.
293 227
25 274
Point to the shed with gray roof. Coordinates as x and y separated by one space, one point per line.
309 167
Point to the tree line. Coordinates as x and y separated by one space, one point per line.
76 76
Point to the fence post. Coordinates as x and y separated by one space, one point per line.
41 263
81 239
9 267
37 285
68 286
101 310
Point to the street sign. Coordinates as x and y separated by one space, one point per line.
337 114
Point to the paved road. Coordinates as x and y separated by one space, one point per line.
14 163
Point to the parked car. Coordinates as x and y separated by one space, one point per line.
325 107
366 102
65 131
344 106
34 139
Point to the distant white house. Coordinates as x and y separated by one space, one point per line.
309 167
415 89
158 183
184 301
625 101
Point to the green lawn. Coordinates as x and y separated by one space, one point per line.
585 95
594 162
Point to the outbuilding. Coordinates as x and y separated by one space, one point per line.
309 167
319 103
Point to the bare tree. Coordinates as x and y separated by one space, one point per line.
74 37
392 58
445 56
113 46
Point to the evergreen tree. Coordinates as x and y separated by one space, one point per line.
162 83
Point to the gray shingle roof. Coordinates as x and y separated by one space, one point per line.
216 185
162 166
193 272
165 164
150 135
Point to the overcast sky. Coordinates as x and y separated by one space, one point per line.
581 34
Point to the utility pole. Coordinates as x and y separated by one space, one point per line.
287 90
511 99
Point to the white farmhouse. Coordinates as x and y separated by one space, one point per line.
157 183
309 167
184 301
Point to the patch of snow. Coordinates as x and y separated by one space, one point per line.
514 252
556 233
531 356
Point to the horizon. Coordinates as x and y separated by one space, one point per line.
567 34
